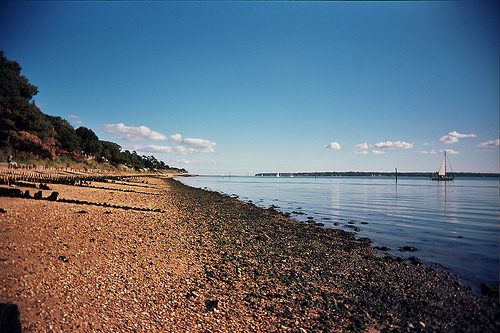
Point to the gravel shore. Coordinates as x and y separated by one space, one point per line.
151 254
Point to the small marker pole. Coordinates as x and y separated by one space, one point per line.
396 175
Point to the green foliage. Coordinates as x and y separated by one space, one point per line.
15 90
90 142
65 134
111 152
133 160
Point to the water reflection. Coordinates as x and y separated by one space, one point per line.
442 193
335 199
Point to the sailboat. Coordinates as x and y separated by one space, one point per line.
441 174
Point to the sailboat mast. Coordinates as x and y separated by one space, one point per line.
445 162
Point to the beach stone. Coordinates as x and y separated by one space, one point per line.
415 261
408 249
489 290
365 240
262 238
211 305
38 195
9 318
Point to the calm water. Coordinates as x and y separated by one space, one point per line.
452 224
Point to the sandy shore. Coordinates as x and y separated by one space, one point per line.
150 254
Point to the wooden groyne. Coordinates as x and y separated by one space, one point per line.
31 177
39 179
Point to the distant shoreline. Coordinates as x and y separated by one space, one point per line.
373 174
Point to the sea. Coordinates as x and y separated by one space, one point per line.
453 225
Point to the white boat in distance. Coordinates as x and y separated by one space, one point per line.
441 174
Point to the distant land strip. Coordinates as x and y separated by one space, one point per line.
373 174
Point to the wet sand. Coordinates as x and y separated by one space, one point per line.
150 254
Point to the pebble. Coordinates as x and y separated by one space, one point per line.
289 270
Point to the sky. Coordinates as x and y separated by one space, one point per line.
248 87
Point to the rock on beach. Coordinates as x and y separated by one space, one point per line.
151 254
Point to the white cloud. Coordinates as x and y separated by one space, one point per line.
195 162
144 149
450 151
453 137
490 144
427 152
175 137
394 145
133 133
188 151
448 139
199 143
365 152
182 150
361 146
72 116
157 149
333 145
151 149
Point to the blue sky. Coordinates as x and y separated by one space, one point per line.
247 87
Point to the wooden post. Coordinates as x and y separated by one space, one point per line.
396 175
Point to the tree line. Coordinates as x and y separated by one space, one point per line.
29 133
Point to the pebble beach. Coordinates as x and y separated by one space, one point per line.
147 253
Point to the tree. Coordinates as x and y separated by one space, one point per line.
65 134
111 152
133 160
90 142
15 90
34 121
